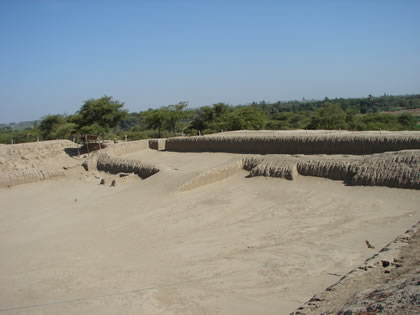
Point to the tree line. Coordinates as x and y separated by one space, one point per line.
107 117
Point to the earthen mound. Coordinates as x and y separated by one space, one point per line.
28 162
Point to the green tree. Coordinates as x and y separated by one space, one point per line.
407 121
220 110
299 120
174 113
155 119
64 131
49 124
246 118
376 121
130 121
330 116
99 115
351 118
166 117
205 115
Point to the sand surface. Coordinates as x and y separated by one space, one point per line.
386 283
237 246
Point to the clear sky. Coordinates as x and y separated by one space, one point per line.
54 54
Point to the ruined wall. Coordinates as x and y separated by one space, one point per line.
157 144
116 165
27 176
281 168
302 144
29 162
126 147
391 169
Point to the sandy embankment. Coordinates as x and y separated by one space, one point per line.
31 162
230 246
388 283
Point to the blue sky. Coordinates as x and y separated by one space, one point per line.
54 54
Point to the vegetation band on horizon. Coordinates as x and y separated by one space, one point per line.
107 117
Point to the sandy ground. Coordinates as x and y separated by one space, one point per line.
387 283
239 246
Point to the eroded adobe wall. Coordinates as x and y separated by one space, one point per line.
30 162
115 165
310 144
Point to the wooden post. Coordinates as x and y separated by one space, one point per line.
87 144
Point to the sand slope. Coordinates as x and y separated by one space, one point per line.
388 283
